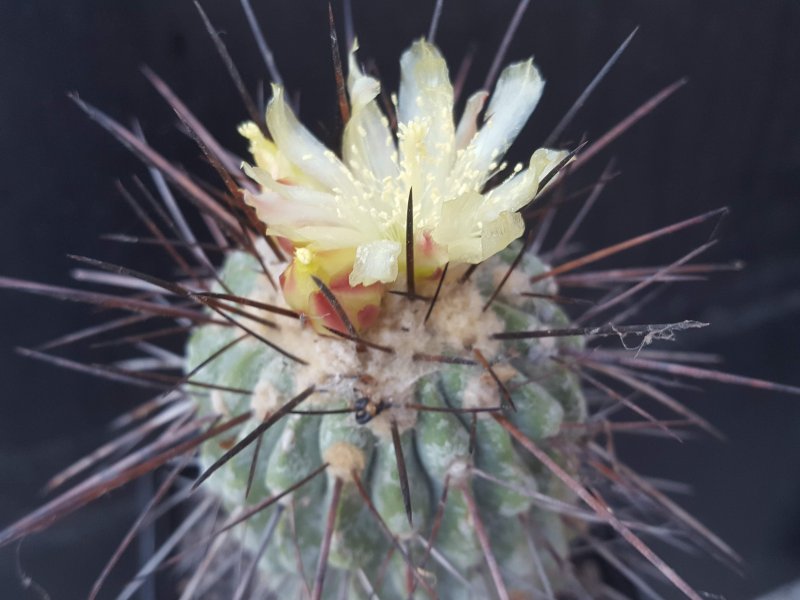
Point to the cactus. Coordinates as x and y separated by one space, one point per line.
380 386
425 388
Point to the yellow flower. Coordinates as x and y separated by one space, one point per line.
321 202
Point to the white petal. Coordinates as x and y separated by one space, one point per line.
468 124
498 234
467 237
545 160
459 230
458 218
520 189
305 151
426 132
267 155
290 204
368 145
375 261
466 250
515 96
274 209
322 237
425 89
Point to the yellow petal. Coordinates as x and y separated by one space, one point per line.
458 218
267 155
323 237
498 234
518 190
459 230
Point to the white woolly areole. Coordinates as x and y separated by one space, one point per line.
482 391
266 399
457 326
218 404
343 459
459 471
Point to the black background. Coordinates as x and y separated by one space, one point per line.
730 137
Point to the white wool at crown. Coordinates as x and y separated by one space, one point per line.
332 361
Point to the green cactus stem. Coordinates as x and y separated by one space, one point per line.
435 408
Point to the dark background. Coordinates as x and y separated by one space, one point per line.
731 137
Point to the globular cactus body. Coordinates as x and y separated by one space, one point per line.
436 444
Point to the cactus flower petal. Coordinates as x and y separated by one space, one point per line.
376 261
468 124
302 149
352 211
516 95
368 146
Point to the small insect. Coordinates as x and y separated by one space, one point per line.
366 409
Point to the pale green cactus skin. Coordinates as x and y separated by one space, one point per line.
295 446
